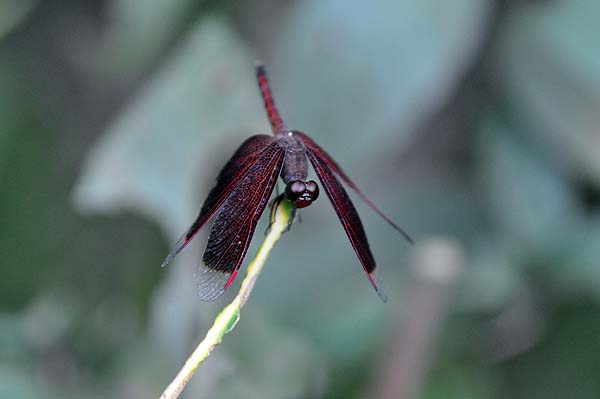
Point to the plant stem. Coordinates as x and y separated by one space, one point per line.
229 316
437 265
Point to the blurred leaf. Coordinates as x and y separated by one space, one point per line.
457 370
530 202
15 383
153 156
12 109
492 279
551 69
578 271
360 78
27 238
564 365
12 342
461 382
148 25
13 12
48 319
136 34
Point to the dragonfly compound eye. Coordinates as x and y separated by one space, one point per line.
312 188
294 190
297 192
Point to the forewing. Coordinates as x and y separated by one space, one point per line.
320 153
235 223
229 177
348 217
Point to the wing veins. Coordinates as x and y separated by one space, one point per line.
330 162
223 257
348 217
241 226
253 147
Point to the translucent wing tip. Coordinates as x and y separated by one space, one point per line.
168 259
381 294
377 284
177 248
210 283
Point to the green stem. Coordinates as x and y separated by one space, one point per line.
229 316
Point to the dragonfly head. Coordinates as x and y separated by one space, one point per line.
302 193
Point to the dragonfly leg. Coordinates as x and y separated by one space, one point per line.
295 214
273 207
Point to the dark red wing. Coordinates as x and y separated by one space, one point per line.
348 216
320 153
229 177
235 224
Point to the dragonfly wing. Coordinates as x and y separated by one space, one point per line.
313 147
229 177
235 224
348 216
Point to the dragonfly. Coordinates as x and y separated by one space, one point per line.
244 187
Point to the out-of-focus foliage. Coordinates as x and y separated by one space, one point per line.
552 81
473 119
12 12
427 43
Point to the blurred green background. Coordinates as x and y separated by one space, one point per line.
474 120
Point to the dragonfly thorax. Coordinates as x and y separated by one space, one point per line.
302 193
295 164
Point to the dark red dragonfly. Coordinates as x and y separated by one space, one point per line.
244 187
